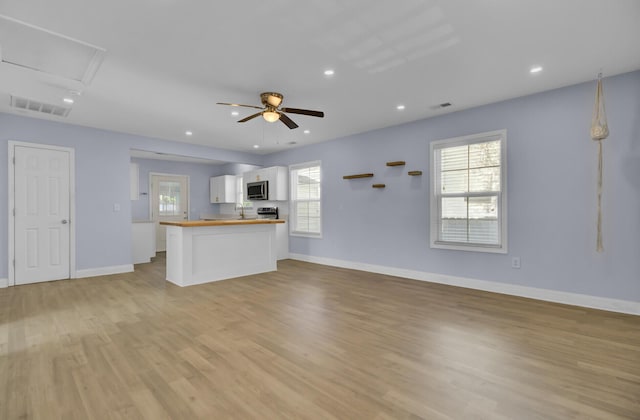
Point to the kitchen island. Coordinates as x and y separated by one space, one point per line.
202 251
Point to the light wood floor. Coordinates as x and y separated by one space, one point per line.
307 342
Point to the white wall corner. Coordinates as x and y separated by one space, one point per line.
4 283
548 295
104 271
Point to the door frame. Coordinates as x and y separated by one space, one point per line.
151 175
152 192
11 204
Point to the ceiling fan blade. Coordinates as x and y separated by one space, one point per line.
288 121
246 106
250 117
303 112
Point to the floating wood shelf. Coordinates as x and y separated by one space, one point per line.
378 185
414 173
357 176
396 163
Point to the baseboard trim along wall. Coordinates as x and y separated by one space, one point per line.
103 271
587 301
90 272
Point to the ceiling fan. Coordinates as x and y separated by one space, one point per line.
271 113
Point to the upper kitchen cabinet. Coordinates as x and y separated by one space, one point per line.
277 177
223 189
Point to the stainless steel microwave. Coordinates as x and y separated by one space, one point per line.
258 190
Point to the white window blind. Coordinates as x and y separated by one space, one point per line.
305 190
468 200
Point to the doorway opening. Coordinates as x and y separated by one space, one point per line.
169 202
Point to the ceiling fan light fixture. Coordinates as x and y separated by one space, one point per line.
270 116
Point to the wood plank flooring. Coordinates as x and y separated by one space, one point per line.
308 342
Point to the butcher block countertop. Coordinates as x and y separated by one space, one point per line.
200 223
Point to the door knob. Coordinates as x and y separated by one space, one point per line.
64 222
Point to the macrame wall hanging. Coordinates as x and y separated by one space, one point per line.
599 132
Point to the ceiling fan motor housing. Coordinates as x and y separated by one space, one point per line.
271 99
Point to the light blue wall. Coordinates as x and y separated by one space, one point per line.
238 168
103 237
551 193
199 174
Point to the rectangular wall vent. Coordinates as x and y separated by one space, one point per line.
37 106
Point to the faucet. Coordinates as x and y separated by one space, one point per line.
242 211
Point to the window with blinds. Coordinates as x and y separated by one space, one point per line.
468 200
241 203
305 213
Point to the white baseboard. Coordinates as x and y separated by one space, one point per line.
576 299
103 271
4 283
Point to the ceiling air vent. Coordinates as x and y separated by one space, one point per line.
440 106
37 106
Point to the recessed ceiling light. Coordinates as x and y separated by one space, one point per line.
329 72
255 146
306 131
400 107
68 100
235 113
188 133
536 69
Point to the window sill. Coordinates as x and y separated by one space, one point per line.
306 235
497 249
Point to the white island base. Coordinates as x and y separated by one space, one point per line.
204 252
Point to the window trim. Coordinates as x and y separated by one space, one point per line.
292 202
245 204
434 203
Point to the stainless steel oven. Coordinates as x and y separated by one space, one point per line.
258 190
267 213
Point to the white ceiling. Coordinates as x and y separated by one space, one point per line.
168 62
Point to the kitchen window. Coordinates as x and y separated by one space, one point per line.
469 193
305 218
241 203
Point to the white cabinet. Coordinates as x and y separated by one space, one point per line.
144 241
134 178
223 189
282 239
278 181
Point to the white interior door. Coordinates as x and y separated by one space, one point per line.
42 214
169 202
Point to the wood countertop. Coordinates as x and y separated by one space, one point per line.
200 223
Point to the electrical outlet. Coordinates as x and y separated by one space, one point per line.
116 207
515 262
